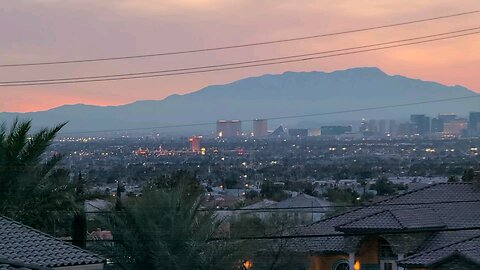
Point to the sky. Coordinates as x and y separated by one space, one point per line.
51 30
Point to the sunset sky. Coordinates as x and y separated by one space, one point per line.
50 30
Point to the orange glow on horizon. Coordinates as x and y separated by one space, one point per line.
115 28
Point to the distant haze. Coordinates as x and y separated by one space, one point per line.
50 30
290 93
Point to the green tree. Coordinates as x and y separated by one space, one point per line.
266 254
383 186
33 190
453 179
164 229
363 183
79 223
468 175
271 191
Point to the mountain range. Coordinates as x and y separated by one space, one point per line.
269 96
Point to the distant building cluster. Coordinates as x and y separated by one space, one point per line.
443 125
260 128
195 143
229 128
233 128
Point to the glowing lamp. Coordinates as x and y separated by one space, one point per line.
247 264
356 265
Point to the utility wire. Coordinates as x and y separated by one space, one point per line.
295 236
193 70
241 63
381 204
241 45
303 236
278 117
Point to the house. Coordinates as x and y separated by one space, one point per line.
436 227
256 209
22 248
302 207
305 208
11 265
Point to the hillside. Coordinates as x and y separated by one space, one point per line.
290 93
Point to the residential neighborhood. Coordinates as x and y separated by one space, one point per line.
239 135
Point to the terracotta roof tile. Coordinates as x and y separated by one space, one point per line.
27 245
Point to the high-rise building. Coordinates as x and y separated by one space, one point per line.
474 123
407 129
195 143
335 130
363 126
392 127
260 127
456 127
437 125
229 128
313 132
298 132
372 126
382 127
447 117
422 122
368 128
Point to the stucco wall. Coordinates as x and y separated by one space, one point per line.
325 262
368 251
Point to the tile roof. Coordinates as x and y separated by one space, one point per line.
468 249
24 244
12 265
421 208
382 220
410 218
439 239
301 200
261 204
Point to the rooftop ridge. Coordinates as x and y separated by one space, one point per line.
360 207
396 218
103 260
406 193
4 260
442 247
380 211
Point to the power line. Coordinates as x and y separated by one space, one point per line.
240 63
193 70
381 204
303 236
240 45
279 117
296 236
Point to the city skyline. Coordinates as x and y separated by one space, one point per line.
243 135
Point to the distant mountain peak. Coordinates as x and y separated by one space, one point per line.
361 71
270 96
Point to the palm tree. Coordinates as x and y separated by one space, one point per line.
164 229
32 188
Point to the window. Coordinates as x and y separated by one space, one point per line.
388 265
340 265
385 249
